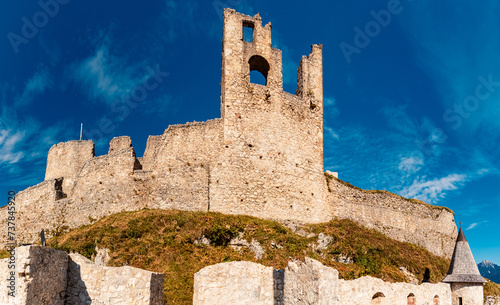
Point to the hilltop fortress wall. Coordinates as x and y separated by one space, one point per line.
263 157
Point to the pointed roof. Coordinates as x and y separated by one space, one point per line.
463 268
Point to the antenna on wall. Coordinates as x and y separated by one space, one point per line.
81 131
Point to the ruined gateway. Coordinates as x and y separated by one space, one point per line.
263 157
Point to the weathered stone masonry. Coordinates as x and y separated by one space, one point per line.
47 276
263 157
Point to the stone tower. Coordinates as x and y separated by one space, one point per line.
463 275
271 163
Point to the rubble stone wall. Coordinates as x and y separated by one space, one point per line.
430 227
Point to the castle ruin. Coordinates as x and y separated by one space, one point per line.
263 157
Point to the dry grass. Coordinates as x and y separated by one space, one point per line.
4 254
491 289
164 241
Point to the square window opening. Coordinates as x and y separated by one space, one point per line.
248 31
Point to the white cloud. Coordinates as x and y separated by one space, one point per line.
472 226
105 77
8 142
23 138
330 132
36 85
433 190
410 164
475 224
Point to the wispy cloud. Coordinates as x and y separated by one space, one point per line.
104 77
410 164
433 190
36 85
8 141
474 225
24 140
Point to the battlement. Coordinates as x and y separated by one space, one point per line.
65 160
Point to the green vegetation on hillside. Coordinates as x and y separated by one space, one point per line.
165 241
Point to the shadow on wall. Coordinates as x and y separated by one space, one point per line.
76 291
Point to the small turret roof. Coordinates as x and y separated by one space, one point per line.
463 268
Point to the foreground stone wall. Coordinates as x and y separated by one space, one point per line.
5 282
40 277
89 283
430 227
234 283
310 283
45 276
307 282
363 290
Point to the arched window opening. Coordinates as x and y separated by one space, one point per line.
436 300
378 298
258 65
411 300
257 78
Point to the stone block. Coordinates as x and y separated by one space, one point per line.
236 283
310 283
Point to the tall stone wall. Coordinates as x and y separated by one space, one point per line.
430 227
65 160
271 164
183 163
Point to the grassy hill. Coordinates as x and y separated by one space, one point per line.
166 241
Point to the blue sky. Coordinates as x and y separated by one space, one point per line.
411 88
